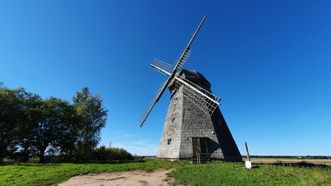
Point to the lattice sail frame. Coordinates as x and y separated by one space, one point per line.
162 65
153 102
183 58
208 102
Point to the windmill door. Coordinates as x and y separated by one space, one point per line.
196 147
199 146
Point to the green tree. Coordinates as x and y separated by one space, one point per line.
54 132
92 116
30 115
10 115
16 113
31 126
67 131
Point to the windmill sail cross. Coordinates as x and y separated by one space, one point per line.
165 69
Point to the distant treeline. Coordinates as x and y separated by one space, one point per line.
291 157
34 127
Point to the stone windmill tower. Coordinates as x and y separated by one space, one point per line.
194 126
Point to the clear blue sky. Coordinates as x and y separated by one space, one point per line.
269 61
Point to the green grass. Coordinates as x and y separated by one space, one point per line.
225 173
216 173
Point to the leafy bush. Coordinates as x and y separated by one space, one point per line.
103 154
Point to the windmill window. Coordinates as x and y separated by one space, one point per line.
168 141
172 123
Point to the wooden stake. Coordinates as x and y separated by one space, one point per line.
248 158
248 163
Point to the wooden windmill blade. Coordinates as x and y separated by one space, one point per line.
186 52
166 69
162 67
154 101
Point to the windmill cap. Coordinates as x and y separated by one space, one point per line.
195 77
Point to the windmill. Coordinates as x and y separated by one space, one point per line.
192 129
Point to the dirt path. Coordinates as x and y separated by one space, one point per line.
134 178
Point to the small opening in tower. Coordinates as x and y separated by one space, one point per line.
168 141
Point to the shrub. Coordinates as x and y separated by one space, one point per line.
103 154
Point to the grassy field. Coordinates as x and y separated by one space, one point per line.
224 173
291 160
216 173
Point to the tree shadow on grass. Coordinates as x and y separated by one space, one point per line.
29 164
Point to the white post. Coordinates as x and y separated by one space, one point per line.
248 163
